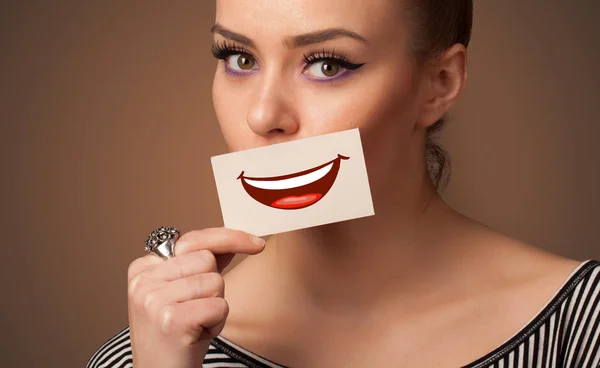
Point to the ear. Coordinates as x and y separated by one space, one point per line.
445 79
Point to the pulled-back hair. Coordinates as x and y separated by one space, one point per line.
436 26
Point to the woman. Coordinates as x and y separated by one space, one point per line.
416 285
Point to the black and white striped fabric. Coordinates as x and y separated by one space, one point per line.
566 333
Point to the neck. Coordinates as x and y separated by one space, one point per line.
360 262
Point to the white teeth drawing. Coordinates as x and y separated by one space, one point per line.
291 182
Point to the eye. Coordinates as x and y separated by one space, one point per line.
324 68
241 61
327 65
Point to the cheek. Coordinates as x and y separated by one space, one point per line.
369 101
230 110
381 104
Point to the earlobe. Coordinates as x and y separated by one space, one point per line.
448 76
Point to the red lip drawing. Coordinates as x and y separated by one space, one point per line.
293 191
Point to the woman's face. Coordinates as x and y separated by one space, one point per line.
295 69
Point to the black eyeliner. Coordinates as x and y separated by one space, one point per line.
323 55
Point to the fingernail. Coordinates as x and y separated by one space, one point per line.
259 242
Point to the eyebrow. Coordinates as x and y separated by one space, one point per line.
292 41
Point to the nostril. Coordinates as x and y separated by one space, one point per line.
277 130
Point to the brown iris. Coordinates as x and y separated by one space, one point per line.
245 61
330 69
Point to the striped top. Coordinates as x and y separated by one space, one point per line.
565 333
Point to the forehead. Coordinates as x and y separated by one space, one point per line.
279 18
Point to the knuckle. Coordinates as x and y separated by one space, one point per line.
135 284
183 243
166 320
141 264
215 282
222 306
134 268
186 241
240 235
150 301
184 238
131 270
208 257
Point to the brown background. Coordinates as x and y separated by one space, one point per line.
108 126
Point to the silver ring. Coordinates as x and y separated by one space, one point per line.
162 242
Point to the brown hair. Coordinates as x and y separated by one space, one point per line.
436 26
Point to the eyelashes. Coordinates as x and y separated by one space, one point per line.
331 56
226 50
222 50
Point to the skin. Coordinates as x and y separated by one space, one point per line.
417 274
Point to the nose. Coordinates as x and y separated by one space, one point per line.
272 113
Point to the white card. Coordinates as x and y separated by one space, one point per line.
294 185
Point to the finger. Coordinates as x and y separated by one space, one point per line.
197 318
219 240
142 263
204 285
184 265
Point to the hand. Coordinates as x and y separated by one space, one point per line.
176 306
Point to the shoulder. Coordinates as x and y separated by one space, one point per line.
579 316
568 324
564 333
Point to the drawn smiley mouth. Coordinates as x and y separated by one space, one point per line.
293 191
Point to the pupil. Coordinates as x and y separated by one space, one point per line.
245 62
329 69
